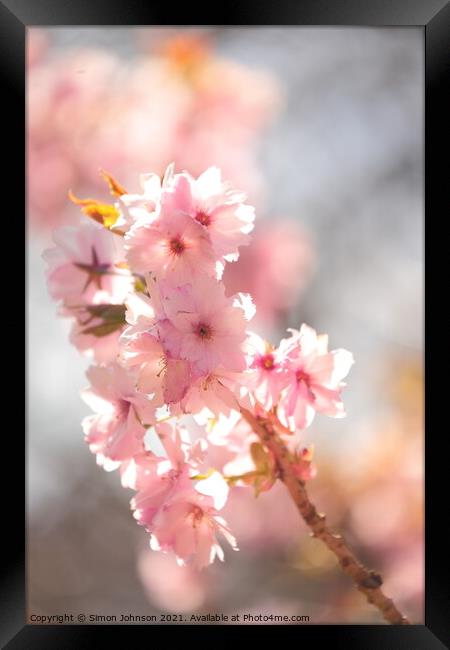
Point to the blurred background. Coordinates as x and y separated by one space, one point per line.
323 127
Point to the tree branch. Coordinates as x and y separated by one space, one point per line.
367 581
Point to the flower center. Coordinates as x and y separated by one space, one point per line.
172 475
203 218
176 245
300 375
203 331
196 515
197 512
267 362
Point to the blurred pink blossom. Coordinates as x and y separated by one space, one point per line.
87 109
275 269
171 587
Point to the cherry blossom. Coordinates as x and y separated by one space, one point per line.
216 393
84 336
206 327
116 431
315 378
177 368
216 207
172 246
82 268
137 208
180 516
268 378
166 378
188 524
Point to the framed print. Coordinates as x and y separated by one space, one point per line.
225 259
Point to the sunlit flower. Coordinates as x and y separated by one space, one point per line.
315 378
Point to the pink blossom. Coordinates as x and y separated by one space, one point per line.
136 115
166 378
175 344
243 99
267 378
215 206
155 492
180 516
271 520
215 393
178 446
187 344
283 249
195 324
116 431
230 431
102 349
156 477
96 328
188 524
171 587
61 149
315 378
82 268
172 246
142 207
141 350
135 471
85 273
179 454
208 329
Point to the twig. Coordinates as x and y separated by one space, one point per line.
367 581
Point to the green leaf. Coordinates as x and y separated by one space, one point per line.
140 286
202 477
260 456
103 329
108 312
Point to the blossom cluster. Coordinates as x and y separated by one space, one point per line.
169 96
142 283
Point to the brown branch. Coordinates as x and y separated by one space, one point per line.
367 581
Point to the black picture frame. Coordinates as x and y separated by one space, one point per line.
434 17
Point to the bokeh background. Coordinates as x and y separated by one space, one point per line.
324 129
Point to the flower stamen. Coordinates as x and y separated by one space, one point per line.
177 246
203 218
204 331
